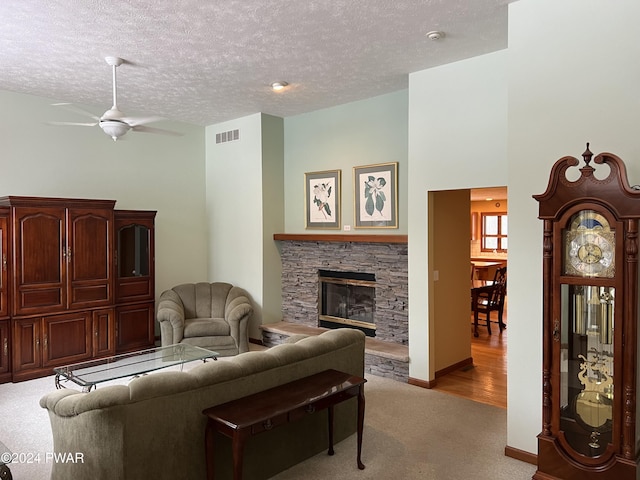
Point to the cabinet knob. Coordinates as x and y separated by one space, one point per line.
268 425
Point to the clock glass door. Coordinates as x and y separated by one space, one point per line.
586 368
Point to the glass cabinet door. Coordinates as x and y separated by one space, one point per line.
133 251
134 256
586 368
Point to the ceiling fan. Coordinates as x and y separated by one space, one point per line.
113 122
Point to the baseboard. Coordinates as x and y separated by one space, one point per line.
421 383
454 367
521 455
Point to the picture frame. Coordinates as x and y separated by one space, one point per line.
322 193
376 195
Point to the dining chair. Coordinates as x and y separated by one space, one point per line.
491 300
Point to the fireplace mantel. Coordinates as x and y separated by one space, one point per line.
337 237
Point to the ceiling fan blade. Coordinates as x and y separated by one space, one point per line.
161 131
76 124
135 121
72 108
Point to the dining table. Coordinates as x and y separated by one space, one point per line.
484 269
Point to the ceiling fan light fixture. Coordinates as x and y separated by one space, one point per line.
278 86
114 128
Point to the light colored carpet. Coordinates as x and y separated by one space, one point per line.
410 433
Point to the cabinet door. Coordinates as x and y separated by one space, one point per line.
5 348
66 338
134 256
89 265
104 333
26 344
4 274
39 253
134 328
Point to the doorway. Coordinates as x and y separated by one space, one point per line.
480 372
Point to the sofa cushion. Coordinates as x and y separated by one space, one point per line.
206 327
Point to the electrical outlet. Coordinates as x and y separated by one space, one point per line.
347 228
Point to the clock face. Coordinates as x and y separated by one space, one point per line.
589 246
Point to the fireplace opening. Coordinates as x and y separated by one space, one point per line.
347 299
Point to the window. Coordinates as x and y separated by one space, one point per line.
494 232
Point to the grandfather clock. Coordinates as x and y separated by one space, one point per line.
590 315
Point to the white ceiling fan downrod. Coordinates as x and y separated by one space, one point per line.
111 122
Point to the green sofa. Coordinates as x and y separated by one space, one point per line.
154 427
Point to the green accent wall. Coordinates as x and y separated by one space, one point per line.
360 133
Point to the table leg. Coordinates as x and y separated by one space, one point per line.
475 323
330 415
5 473
237 445
209 450
360 424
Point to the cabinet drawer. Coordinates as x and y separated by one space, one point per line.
269 424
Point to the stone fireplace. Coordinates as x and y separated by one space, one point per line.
379 262
383 257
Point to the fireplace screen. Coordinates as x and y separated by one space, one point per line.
347 299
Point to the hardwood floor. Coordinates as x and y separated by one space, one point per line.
486 380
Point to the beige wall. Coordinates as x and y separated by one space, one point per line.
449 234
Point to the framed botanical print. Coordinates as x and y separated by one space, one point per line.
322 199
376 195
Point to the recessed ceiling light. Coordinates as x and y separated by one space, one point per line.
434 35
277 86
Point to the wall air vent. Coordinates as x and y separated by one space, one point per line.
229 136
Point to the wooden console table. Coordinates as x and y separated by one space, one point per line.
263 411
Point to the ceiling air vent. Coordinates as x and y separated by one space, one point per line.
229 136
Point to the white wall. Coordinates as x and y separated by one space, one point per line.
141 172
244 207
574 78
273 216
457 139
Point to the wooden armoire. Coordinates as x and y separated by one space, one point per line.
77 282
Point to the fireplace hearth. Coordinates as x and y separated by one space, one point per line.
347 299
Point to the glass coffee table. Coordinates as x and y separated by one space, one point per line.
89 374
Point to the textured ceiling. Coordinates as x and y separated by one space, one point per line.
204 62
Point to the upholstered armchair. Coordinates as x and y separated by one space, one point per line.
209 315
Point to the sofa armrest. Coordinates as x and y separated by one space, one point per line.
237 311
171 317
